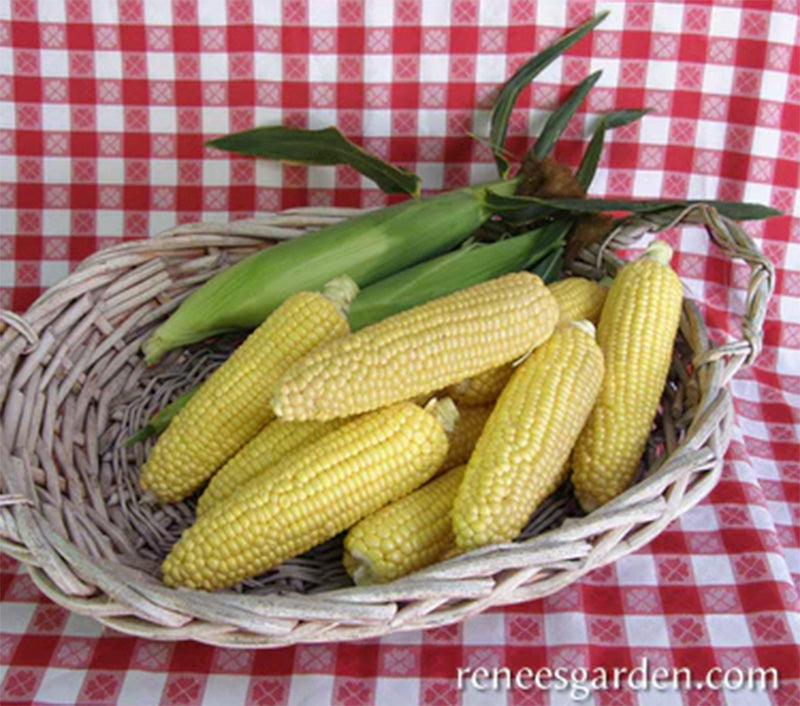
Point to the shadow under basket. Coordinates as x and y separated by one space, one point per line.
74 386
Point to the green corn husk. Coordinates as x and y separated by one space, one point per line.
367 248
449 273
549 269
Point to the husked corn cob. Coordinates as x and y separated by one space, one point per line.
420 350
467 431
520 458
405 535
636 333
311 496
264 450
232 406
578 298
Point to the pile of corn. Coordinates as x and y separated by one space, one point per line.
433 432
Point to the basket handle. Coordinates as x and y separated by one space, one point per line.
20 324
732 240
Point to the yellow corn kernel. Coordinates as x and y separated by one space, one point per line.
312 495
405 535
577 298
636 333
420 350
466 433
233 405
520 458
263 451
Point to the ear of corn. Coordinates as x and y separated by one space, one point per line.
232 406
262 452
467 431
368 248
577 298
420 350
520 458
312 496
636 332
405 535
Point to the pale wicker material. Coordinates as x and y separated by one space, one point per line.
74 386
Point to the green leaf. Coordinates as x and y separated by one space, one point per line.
534 207
620 118
324 147
591 157
559 119
501 111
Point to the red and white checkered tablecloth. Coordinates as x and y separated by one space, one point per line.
106 106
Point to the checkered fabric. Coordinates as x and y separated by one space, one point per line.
106 107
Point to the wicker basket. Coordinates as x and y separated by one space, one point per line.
74 385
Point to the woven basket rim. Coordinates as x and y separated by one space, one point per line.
120 280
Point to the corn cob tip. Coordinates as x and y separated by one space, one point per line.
360 568
452 553
460 388
153 348
586 326
148 497
341 291
444 411
587 501
659 251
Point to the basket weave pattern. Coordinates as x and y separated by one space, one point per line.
74 385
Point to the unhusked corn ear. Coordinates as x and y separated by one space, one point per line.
311 496
369 248
420 350
578 299
233 405
636 333
264 450
405 535
467 431
520 458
